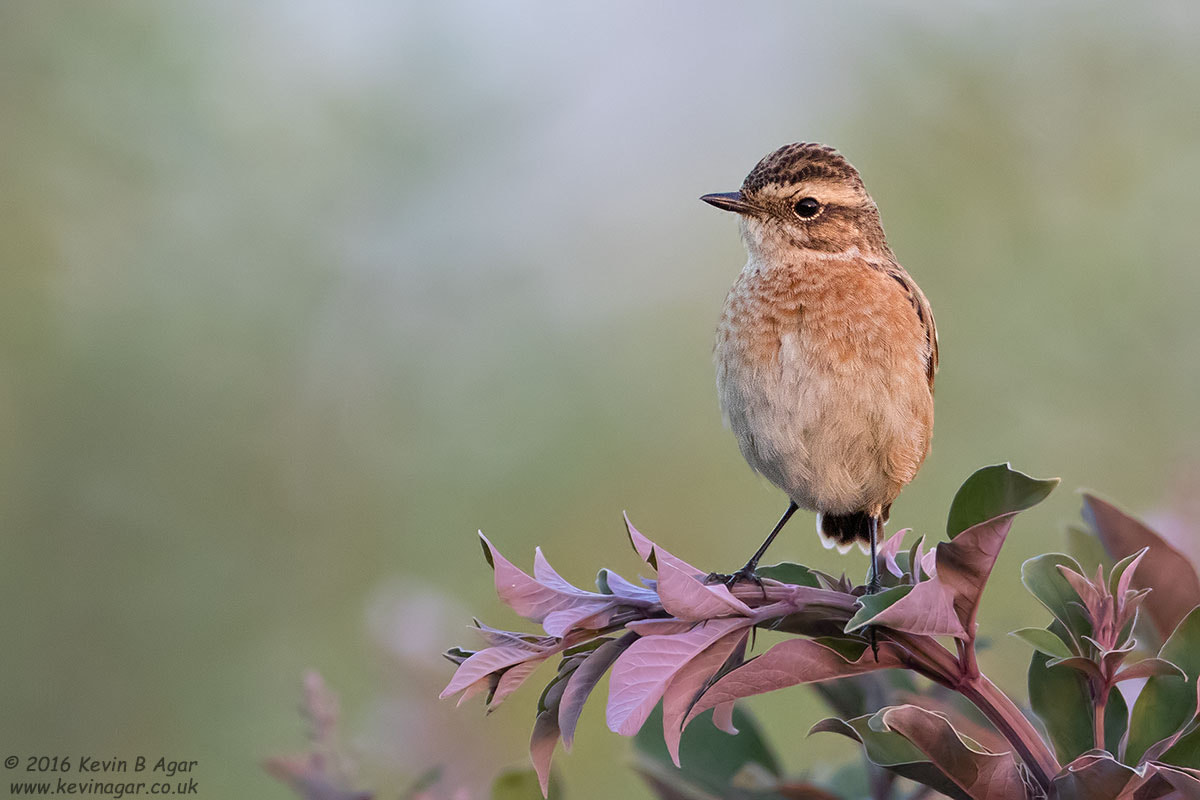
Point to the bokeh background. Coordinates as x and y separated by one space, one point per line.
295 296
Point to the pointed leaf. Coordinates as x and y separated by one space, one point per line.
485 662
946 604
584 680
792 662
511 679
1121 578
890 548
1164 568
686 597
982 775
1167 702
1147 668
1084 666
1043 640
929 609
687 683
994 491
654 555
1046 582
1062 701
533 599
872 605
545 731
641 673
610 582
893 752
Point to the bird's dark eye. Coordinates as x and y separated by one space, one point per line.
807 208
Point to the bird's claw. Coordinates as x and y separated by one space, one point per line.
746 573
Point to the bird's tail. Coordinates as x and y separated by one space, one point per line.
845 530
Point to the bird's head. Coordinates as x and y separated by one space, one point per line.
804 196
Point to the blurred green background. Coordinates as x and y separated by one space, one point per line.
295 296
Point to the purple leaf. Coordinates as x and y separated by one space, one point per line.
945 605
722 719
1147 667
1094 775
1166 568
963 566
686 597
1186 782
484 663
890 548
545 734
584 680
789 663
535 599
654 555
629 592
583 617
511 679
1080 664
642 673
1123 572
659 627
687 683
982 775
928 609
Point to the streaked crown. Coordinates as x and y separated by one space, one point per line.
800 162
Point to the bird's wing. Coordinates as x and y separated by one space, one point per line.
924 314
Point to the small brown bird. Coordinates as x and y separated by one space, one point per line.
826 349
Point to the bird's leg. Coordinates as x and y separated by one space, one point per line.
873 583
747 572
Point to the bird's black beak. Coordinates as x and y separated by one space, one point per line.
729 201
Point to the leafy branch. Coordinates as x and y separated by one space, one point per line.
677 642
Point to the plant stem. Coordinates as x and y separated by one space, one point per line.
1098 721
1002 712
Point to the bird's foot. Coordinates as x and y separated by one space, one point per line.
746 573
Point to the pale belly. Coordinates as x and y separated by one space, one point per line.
834 441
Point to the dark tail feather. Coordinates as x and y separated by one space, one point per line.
845 530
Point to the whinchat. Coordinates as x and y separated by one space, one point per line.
826 349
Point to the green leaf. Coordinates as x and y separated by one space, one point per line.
787 572
872 605
992 491
1062 701
602 582
891 751
522 784
1185 752
1043 640
710 757
1044 581
1167 702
